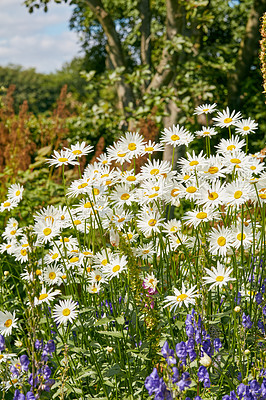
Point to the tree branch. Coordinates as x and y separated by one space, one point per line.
145 29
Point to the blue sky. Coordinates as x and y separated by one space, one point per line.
41 40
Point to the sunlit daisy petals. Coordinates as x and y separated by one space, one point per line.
246 126
148 223
206 132
64 157
176 136
219 276
220 239
133 142
181 297
52 275
7 322
196 217
8 205
226 118
80 149
64 312
205 109
115 267
15 192
46 297
46 231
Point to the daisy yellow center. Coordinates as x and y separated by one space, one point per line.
87 253
108 182
186 177
1 356
38 272
152 222
177 241
73 259
240 236
95 191
145 251
175 137
104 262
104 161
205 109
132 146
54 256
201 215
206 133
17 192
105 176
192 163
149 148
116 268
8 323
151 196
76 152
219 278
125 196
253 167
89 269
43 296
173 229
131 178
213 170
88 205
151 281
77 222
6 204
174 192
52 275
231 147
182 297
8 246
47 231
246 128
49 218
221 241
94 290
62 159
130 236
13 232
156 188
98 278
121 220
23 252
191 189
262 196
66 312
64 276
74 251
154 171
82 185
235 161
62 217
227 120
121 154
213 196
25 245
238 194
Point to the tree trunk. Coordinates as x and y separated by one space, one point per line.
248 49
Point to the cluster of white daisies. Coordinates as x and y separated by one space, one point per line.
112 197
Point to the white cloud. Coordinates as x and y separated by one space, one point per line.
40 40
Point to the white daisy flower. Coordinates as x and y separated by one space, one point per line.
196 217
94 288
46 231
8 205
206 132
238 192
155 169
219 276
79 150
176 136
65 157
152 147
228 145
118 153
242 236
183 297
64 312
15 192
220 239
150 282
177 240
52 275
172 226
205 109
246 126
212 195
225 118
214 168
133 142
46 297
9 247
145 251
122 194
115 266
193 161
7 322
103 159
148 223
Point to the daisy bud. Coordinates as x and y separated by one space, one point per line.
114 238
109 349
205 360
6 273
237 309
18 343
247 352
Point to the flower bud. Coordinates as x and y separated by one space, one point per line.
237 309
109 349
6 273
247 352
205 360
114 238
